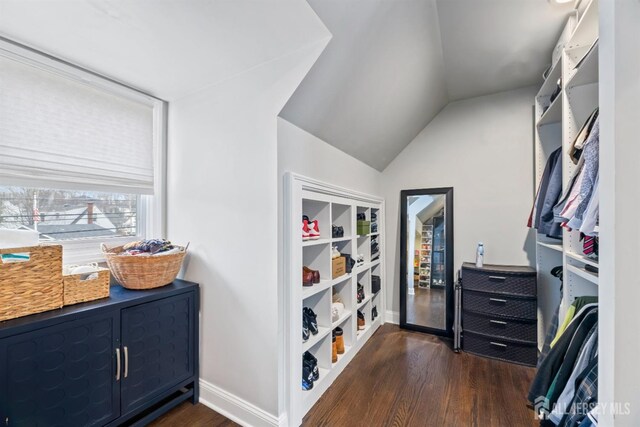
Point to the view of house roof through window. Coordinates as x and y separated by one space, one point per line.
65 215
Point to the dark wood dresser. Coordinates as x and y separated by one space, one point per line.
120 360
499 312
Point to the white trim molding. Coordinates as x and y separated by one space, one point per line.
392 317
236 409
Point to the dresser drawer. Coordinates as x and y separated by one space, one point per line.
497 348
503 327
500 305
516 281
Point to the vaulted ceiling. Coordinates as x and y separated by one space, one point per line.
392 65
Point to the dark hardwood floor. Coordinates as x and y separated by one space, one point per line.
403 378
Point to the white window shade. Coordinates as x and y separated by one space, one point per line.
57 131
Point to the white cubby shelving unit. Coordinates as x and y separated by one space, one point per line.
557 124
330 205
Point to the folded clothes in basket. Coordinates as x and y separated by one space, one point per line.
149 247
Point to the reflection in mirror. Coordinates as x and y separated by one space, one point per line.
426 248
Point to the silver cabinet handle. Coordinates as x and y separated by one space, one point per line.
126 361
500 278
501 301
118 364
498 322
497 344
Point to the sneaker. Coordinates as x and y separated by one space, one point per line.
312 363
314 229
306 231
360 321
359 260
360 293
361 217
305 329
335 253
337 231
311 320
307 377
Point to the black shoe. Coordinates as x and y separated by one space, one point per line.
374 313
361 216
360 293
311 320
305 329
337 231
307 377
312 363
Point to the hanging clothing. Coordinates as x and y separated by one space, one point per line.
586 396
541 217
591 157
569 192
587 353
549 367
591 219
575 149
552 161
577 306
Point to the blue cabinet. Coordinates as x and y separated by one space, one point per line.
126 359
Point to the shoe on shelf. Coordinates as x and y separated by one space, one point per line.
360 293
316 274
374 313
337 231
361 216
306 231
314 230
360 321
359 260
305 329
335 253
311 320
312 362
349 262
307 277
307 376
339 334
334 348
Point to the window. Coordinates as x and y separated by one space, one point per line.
66 215
81 157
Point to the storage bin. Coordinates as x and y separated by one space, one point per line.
31 285
338 267
363 227
143 272
77 290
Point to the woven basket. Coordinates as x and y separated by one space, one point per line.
77 290
143 272
31 286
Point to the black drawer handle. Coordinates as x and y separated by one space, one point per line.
497 344
499 278
501 301
498 322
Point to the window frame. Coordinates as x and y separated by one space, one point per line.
151 216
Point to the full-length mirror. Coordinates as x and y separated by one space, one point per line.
426 259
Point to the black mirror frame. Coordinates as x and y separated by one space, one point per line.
404 195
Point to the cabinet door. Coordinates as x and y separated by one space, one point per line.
63 375
158 341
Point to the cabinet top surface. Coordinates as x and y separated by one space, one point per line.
497 267
119 296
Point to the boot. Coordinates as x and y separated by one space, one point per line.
339 334
334 350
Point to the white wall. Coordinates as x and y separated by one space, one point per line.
223 198
303 153
619 288
483 148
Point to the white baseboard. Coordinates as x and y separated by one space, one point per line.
392 317
235 408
